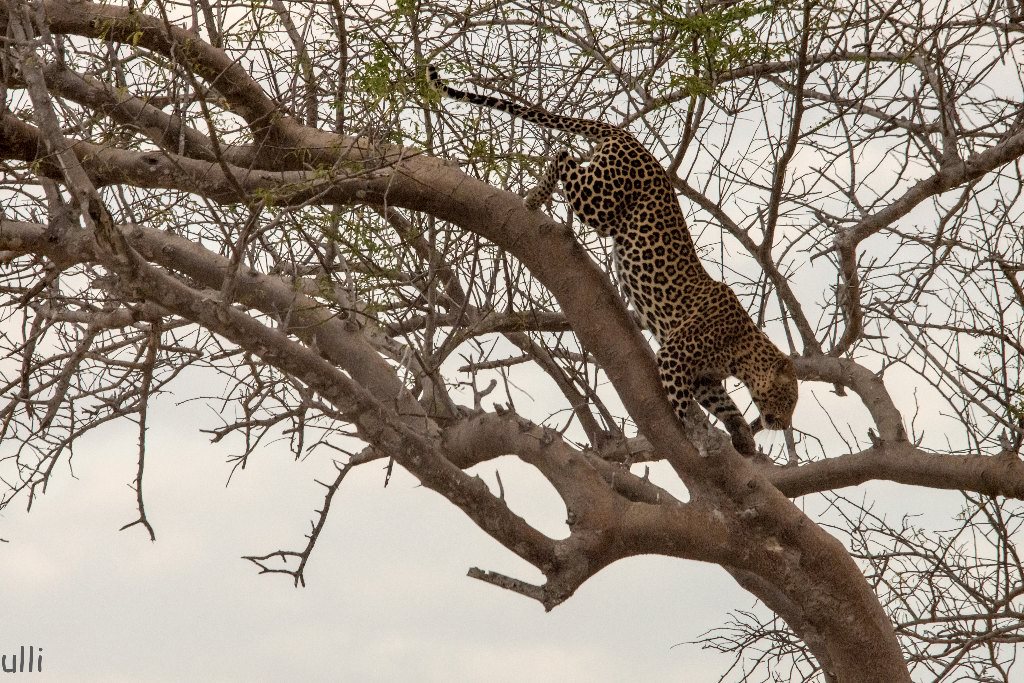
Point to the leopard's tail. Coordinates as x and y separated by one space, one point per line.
595 130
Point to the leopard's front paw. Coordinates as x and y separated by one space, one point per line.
743 440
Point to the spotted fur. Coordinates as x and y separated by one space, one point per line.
705 334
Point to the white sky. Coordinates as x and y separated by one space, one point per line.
387 595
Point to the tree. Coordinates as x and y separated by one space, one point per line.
271 192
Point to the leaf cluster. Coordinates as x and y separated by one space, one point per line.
718 39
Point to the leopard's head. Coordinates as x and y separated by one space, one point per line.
775 394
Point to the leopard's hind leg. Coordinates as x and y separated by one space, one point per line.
556 169
594 188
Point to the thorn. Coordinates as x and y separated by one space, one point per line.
1008 451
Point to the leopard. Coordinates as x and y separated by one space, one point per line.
704 333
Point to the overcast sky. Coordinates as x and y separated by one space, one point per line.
387 595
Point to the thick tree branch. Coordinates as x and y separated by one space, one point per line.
905 464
